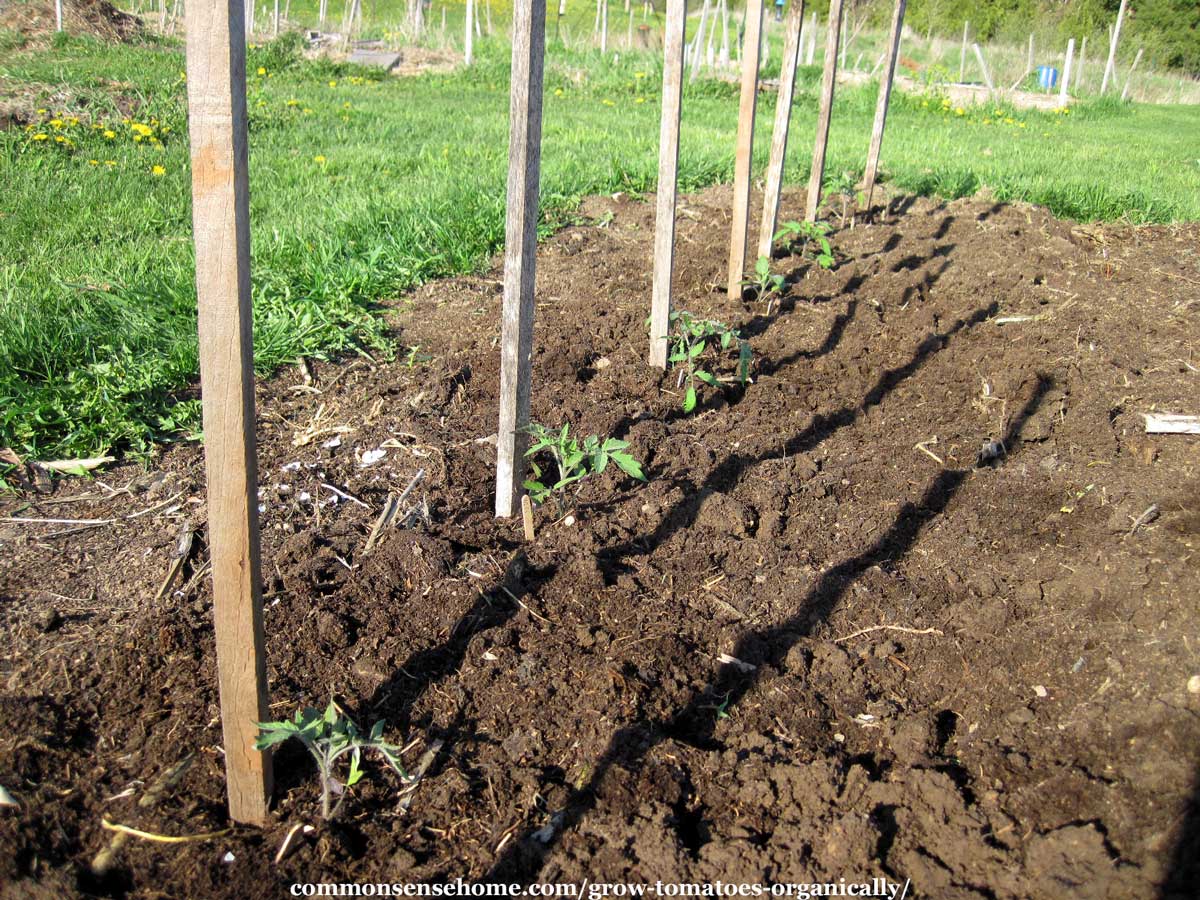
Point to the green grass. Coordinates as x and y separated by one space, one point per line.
362 188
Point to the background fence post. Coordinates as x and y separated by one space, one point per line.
828 79
743 158
216 87
668 169
520 248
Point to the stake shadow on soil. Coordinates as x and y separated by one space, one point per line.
729 473
493 607
695 722
1184 873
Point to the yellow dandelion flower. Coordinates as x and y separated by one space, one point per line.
111 163
56 123
307 111
607 102
137 138
319 159
262 70
109 133
333 84
293 103
93 162
41 136
558 92
158 171
346 105
41 112
959 111
1020 124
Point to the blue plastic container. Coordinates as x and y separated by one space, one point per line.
1047 76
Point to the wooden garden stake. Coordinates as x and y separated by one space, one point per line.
1129 77
751 44
1066 79
216 86
603 26
1079 66
469 37
881 105
812 39
817 175
987 76
668 166
962 54
697 57
1111 66
58 14
520 248
527 518
783 118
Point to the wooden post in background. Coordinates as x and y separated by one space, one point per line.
469 36
828 78
1110 67
962 54
812 40
216 87
697 55
604 26
520 248
751 44
58 26
1063 98
668 169
783 120
881 105
1079 66
987 76
1129 77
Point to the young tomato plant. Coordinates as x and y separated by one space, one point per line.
693 342
574 461
328 736
767 286
809 235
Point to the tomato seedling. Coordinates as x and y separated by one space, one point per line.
691 339
574 461
328 736
809 234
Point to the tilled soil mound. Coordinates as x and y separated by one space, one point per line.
829 639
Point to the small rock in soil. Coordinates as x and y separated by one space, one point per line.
49 620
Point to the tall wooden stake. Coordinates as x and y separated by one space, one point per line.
962 54
216 86
828 78
1110 66
668 167
1063 98
520 248
751 45
697 55
783 120
1129 76
604 26
987 76
881 105
1079 65
469 37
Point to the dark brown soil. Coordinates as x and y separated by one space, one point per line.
973 676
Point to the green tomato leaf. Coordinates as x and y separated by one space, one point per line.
689 399
629 465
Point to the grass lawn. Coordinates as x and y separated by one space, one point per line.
362 187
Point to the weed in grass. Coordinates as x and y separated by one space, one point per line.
328 736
